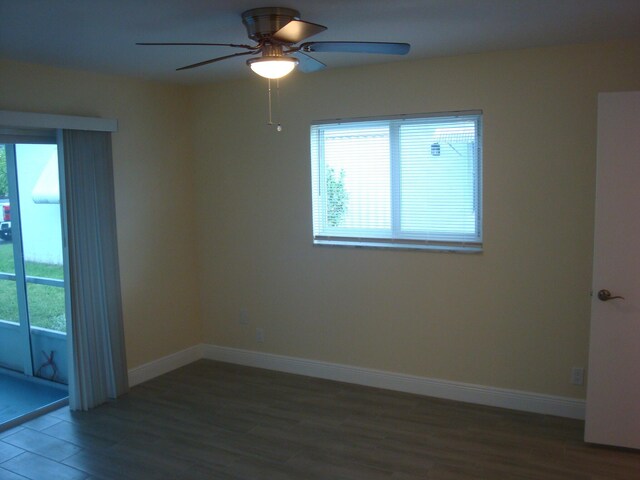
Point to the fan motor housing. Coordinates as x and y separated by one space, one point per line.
263 22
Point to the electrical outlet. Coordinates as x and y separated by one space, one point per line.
577 376
260 335
243 318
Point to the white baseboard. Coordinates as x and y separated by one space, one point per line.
464 392
164 365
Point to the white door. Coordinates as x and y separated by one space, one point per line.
613 393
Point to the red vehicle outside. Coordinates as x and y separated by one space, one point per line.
5 225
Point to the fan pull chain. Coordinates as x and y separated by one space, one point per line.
279 127
270 119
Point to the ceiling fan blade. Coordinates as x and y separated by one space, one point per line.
357 47
200 44
297 30
307 63
217 59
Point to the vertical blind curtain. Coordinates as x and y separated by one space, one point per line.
99 363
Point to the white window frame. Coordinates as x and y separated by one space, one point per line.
394 237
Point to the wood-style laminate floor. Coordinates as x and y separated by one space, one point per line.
213 420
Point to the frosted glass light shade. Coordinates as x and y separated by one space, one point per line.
272 67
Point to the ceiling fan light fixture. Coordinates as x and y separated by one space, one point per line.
273 67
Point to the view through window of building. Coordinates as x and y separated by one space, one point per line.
37 176
403 182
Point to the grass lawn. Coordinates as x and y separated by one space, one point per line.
45 303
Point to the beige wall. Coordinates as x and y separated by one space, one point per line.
154 193
515 316
219 219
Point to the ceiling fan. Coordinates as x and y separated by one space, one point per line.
276 31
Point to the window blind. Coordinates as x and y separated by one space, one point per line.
398 182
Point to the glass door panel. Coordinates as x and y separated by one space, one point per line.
11 338
31 263
41 236
12 348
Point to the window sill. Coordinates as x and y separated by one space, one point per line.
467 249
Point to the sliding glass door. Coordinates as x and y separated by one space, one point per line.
13 351
33 328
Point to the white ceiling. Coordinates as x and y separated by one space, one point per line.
100 35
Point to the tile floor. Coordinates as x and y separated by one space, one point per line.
212 420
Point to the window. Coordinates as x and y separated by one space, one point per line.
400 182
